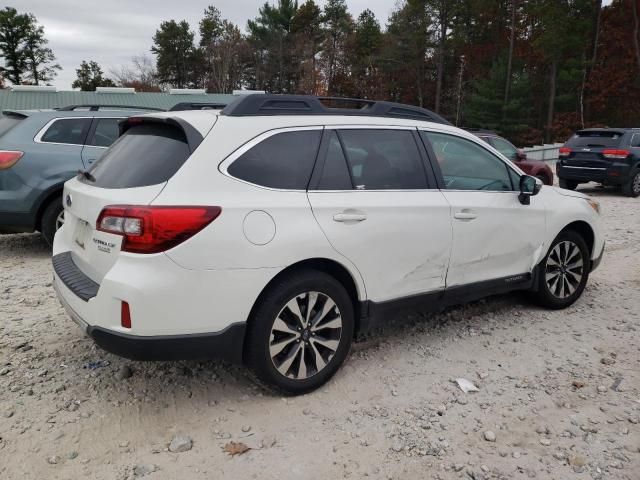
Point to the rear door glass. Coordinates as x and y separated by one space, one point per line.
105 133
383 159
595 139
147 154
7 122
284 160
67 130
505 148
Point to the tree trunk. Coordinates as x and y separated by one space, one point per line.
512 41
552 99
441 44
636 22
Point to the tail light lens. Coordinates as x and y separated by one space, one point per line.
615 153
9 158
153 229
564 152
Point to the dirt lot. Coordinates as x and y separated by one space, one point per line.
559 391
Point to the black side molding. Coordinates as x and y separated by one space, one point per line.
374 314
73 278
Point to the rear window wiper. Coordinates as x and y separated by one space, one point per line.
87 175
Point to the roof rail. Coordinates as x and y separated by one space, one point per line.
95 108
276 104
178 107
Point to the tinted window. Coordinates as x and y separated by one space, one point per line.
505 148
383 159
595 138
335 173
284 160
105 133
635 141
7 122
146 154
67 130
467 166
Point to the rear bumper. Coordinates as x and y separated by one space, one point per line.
614 174
16 222
224 345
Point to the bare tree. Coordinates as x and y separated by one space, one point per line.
140 74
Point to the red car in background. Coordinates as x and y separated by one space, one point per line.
536 168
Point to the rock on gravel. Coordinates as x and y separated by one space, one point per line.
124 372
489 436
180 443
142 470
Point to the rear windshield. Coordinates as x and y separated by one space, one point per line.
147 154
604 138
7 122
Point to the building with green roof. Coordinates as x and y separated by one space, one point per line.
37 98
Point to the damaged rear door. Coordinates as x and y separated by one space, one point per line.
374 201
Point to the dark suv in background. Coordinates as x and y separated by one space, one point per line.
610 156
535 168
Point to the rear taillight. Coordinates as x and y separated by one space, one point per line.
9 158
154 229
615 153
564 152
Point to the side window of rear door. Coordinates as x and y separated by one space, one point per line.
284 160
635 140
465 165
70 131
373 159
104 132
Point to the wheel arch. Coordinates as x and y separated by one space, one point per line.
47 197
331 267
583 229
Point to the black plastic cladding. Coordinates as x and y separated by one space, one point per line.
261 104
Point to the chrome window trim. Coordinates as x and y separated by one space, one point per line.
38 137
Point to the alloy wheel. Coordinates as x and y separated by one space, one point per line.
636 184
564 269
59 220
305 335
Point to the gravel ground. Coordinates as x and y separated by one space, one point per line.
559 392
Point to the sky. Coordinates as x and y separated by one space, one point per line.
110 32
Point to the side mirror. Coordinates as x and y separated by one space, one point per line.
520 155
529 186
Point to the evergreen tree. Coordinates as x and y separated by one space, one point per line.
90 76
177 59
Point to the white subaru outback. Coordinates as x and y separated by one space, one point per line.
272 232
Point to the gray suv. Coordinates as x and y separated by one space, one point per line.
39 151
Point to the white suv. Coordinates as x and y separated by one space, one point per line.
274 231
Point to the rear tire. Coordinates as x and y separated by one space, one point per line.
567 184
52 220
632 187
286 353
564 271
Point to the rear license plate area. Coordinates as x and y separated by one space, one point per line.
81 233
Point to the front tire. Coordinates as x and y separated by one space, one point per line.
52 220
564 271
300 332
632 187
567 184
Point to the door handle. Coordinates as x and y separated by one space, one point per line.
465 215
349 217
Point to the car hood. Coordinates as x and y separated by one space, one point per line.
570 193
